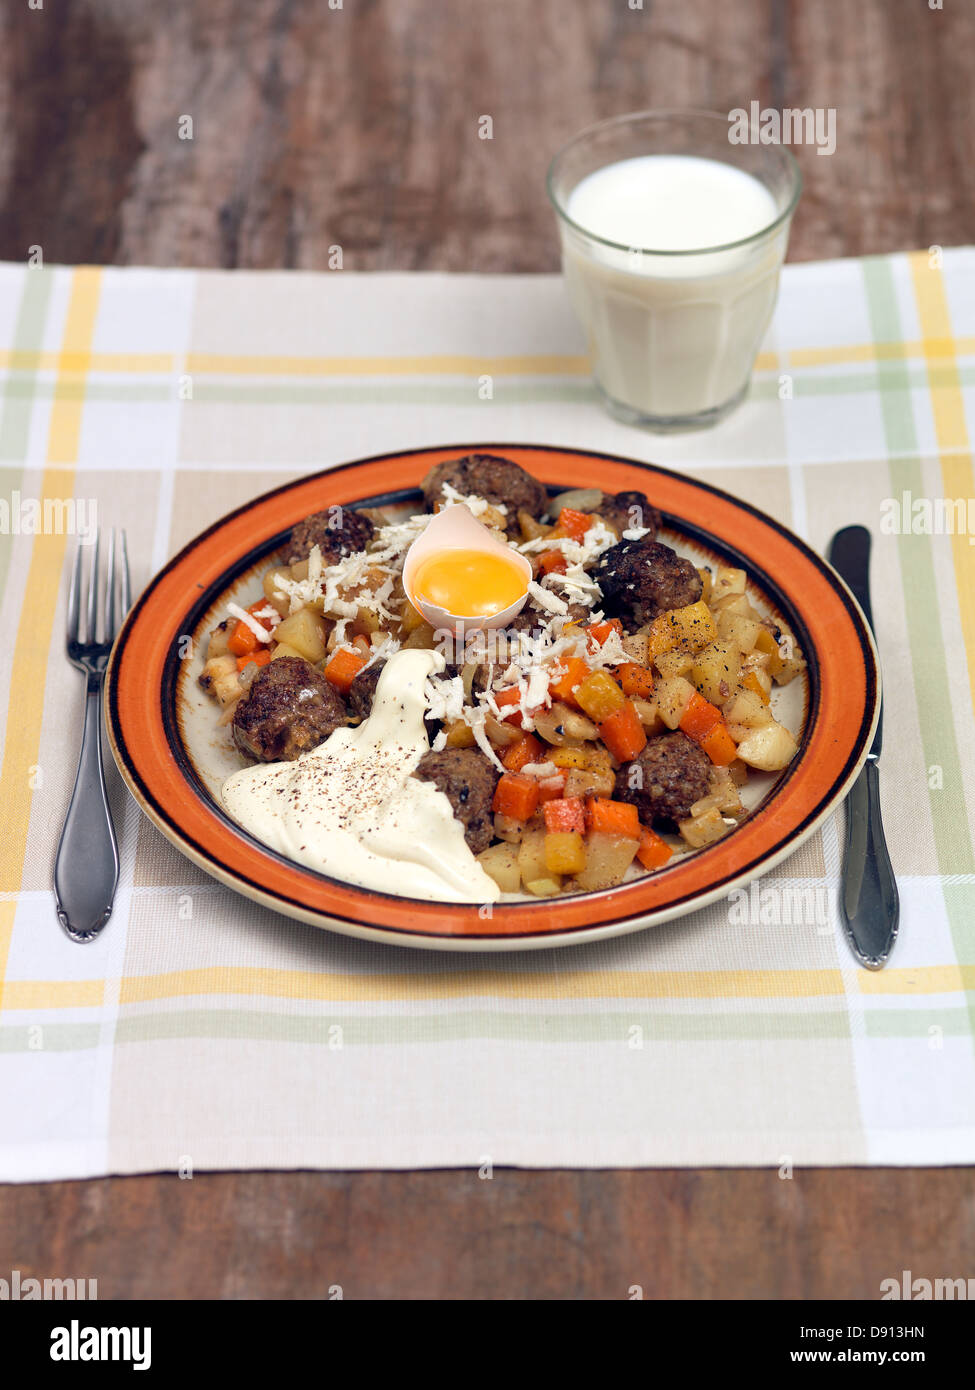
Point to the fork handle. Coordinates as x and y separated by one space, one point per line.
86 867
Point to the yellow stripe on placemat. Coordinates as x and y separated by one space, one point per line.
922 979
135 363
33 642
392 988
948 409
53 994
446 364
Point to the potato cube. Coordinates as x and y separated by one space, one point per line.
715 670
306 632
500 862
607 859
769 748
673 696
531 855
704 830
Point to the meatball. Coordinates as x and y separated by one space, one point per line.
497 480
640 579
289 708
626 511
337 531
663 783
468 781
362 691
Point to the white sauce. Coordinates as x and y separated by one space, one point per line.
350 808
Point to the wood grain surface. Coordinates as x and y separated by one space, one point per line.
357 126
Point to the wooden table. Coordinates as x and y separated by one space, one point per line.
357 127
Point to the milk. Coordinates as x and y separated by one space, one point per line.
672 337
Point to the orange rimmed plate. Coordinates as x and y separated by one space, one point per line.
172 757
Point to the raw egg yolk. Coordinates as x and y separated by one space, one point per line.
469 583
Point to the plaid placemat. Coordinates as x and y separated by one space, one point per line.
201 1031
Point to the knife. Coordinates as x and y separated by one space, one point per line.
869 900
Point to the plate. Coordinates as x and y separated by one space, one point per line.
173 758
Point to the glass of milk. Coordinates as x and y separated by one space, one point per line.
672 242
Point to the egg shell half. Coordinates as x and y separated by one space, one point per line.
456 528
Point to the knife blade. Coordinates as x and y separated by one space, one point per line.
869 900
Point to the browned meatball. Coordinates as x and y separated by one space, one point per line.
468 781
626 511
666 779
337 531
289 708
362 691
640 579
496 479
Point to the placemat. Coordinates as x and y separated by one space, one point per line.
203 1032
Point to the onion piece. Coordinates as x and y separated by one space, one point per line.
580 499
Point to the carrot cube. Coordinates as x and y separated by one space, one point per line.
516 796
636 680
623 734
568 813
604 816
552 562
342 668
653 852
576 671
527 750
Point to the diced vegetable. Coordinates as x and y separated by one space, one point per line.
552 562
653 852
769 748
565 852
306 632
568 813
504 698
649 716
342 668
259 658
635 680
568 757
598 633
637 648
699 718
609 817
500 862
420 638
460 734
515 795
560 724
218 641
719 745
600 696
704 830
551 788
715 670
544 887
726 582
572 523
410 618
576 671
673 696
283 649
607 859
531 855
688 628
674 663
623 734
243 638
740 630
745 707
528 749
759 682
508 829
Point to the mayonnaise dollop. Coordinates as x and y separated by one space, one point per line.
351 809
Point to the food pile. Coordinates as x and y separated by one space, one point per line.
610 726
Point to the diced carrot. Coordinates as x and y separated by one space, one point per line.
342 668
699 718
599 632
261 657
576 671
623 734
719 745
568 813
612 817
653 852
751 682
528 749
551 788
242 640
511 696
573 524
516 796
552 562
636 680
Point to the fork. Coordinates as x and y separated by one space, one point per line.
87 866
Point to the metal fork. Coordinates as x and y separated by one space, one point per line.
86 867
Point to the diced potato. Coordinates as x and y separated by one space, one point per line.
649 716
271 589
674 663
565 852
689 628
508 829
759 681
218 640
705 829
600 696
769 748
283 649
736 628
531 530
306 632
727 581
460 735
706 583
500 862
560 724
410 618
745 707
715 671
219 676
738 772
422 637
582 782
724 791
531 855
637 647
785 659
734 603
673 696
607 859
544 887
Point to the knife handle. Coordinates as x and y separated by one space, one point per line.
870 900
